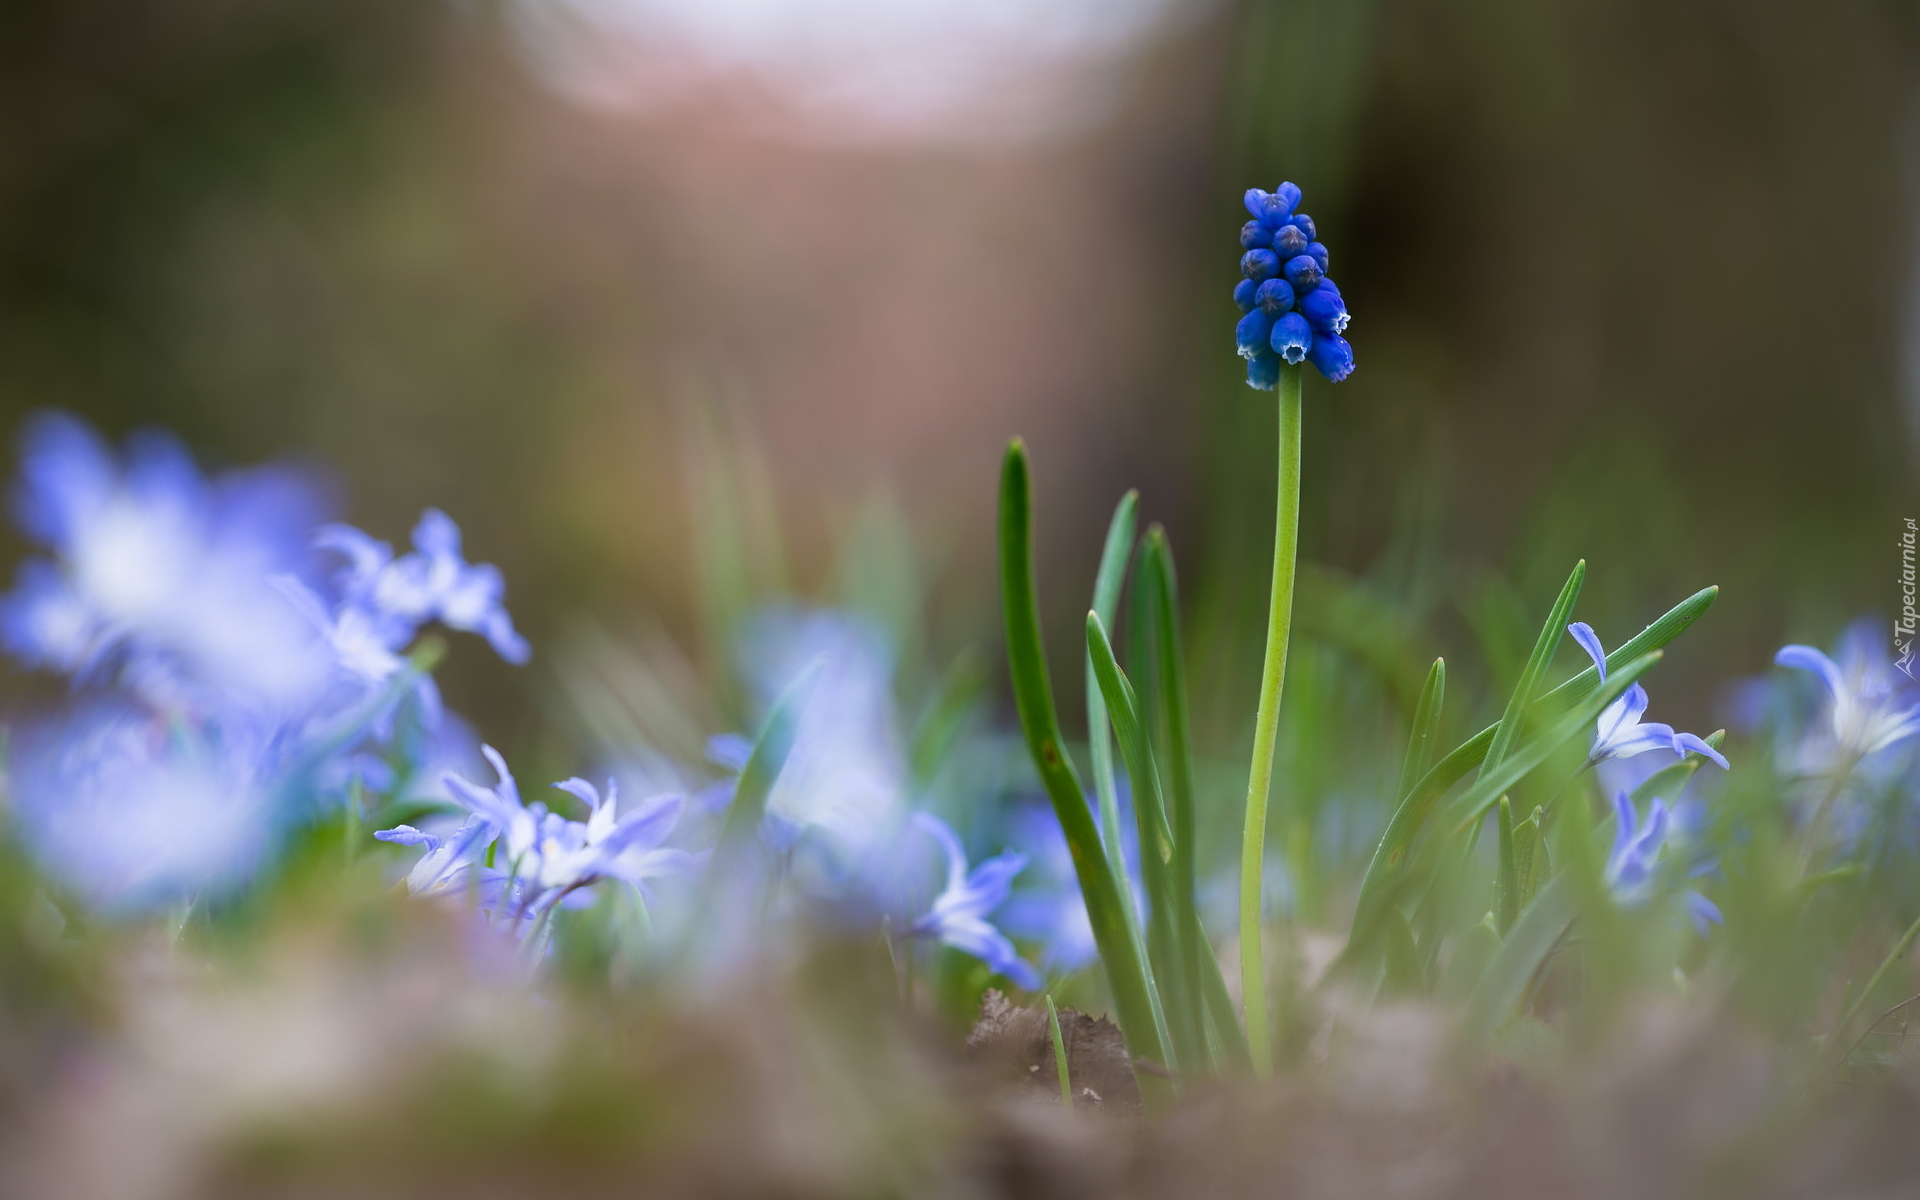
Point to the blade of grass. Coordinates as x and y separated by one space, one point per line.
1521 701
1059 1053
1426 729
1531 864
1225 1039
766 760
1134 1000
1108 584
1417 804
1156 842
1514 964
1162 583
1507 883
1536 669
1852 1012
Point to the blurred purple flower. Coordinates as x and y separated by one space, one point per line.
1632 872
840 802
1871 706
958 915
158 576
133 811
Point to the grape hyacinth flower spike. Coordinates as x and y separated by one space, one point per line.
1620 733
1292 314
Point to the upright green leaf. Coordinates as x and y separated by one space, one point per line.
1059 1053
1133 999
1516 962
1426 729
1160 581
1108 584
1156 842
1507 881
1536 669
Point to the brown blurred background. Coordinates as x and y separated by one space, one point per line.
1633 280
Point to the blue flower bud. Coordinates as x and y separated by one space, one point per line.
1244 294
1258 265
1288 194
1274 297
1331 355
1301 271
1323 308
1288 242
1252 333
1291 338
1304 224
1318 253
1255 236
1256 201
1263 371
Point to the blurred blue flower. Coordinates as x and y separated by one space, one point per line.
396 596
224 697
958 915
159 578
1051 910
1632 873
1306 312
840 802
132 811
1620 733
1872 707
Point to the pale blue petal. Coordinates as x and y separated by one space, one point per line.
1687 743
1590 642
1807 658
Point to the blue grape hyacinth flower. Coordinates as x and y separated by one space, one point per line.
1620 733
958 915
1633 866
1293 312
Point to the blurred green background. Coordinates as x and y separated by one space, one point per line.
1635 281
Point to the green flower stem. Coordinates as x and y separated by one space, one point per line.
1266 722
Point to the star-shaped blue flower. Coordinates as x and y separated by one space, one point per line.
1620 733
958 915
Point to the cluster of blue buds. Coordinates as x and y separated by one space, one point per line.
1294 313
